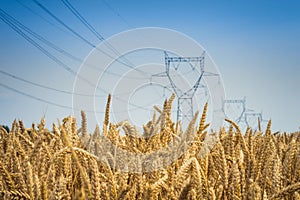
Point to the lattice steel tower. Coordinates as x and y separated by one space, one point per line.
240 102
185 110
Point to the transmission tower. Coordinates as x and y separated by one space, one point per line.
240 103
258 122
244 117
185 110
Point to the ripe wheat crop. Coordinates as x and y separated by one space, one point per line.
69 163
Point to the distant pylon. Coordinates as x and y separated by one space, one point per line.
261 122
241 102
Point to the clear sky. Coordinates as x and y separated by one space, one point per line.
255 44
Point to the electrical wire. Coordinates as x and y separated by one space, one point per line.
4 17
78 35
61 50
52 103
81 37
55 59
34 97
12 23
116 13
60 105
41 38
47 87
54 25
43 18
55 47
96 33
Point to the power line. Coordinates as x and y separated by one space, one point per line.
96 33
85 40
82 19
56 104
47 42
52 45
42 39
4 17
54 25
81 37
34 97
8 20
64 24
116 13
130 26
47 87
51 88
45 101
43 18
57 48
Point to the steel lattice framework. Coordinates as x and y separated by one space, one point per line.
185 98
245 117
241 102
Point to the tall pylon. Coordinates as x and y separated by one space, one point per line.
185 109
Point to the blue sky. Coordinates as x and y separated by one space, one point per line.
255 44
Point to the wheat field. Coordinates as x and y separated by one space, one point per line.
69 163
